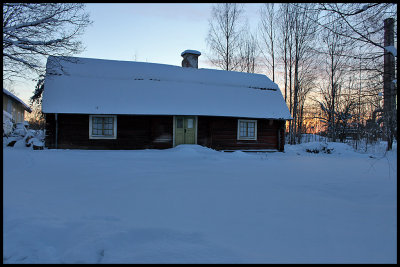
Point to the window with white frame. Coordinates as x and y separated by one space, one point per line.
247 130
102 127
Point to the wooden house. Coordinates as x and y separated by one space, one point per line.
14 106
107 104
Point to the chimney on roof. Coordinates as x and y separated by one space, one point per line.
190 59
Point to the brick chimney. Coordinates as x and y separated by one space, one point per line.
190 59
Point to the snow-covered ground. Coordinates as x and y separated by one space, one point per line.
191 204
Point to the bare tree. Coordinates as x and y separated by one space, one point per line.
308 75
284 24
284 52
363 24
248 52
267 29
362 21
334 50
224 35
303 34
33 31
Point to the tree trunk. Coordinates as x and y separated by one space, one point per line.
388 77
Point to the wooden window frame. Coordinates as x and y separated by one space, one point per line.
246 138
92 136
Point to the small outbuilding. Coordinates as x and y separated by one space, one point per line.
14 107
108 104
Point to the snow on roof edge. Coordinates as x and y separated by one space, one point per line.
271 84
27 108
188 51
163 114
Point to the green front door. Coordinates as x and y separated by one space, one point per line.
185 130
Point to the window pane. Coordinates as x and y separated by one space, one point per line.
247 129
190 123
251 133
108 126
242 129
179 123
97 126
103 126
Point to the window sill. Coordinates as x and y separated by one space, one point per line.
102 137
247 139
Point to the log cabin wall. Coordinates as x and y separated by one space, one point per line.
133 132
221 133
156 132
50 128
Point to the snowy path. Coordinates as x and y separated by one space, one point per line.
195 205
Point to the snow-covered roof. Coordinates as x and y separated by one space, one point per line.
26 107
97 86
191 52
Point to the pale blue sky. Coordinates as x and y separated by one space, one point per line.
156 33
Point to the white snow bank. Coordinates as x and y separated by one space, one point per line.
192 204
192 149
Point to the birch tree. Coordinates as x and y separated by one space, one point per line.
224 36
303 34
284 25
267 29
248 52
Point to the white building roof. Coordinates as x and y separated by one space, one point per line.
97 86
195 52
26 107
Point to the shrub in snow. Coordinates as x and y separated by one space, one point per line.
37 144
19 143
20 130
7 123
40 135
316 147
22 137
9 141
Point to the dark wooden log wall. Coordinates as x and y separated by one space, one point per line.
221 133
50 130
144 132
133 132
